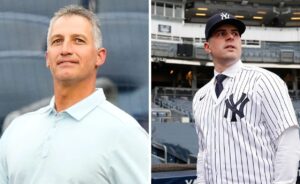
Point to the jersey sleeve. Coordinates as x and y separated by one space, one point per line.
277 109
287 157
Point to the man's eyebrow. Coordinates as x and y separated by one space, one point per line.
73 35
56 36
79 35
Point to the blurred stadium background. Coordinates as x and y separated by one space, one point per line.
26 83
180 66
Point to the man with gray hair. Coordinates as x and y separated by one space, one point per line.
79 137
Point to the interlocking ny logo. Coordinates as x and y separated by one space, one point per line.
233 107
224 16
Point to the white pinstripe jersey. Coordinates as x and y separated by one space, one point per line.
237 131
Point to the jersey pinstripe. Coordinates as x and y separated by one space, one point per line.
238 131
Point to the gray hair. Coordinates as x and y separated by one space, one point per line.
80 11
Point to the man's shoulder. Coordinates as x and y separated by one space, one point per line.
118 120
33 114
258 71
114 114
28 117
112 110
24 121
262 74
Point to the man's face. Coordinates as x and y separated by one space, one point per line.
72 55
224 44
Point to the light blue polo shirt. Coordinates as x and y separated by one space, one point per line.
92 142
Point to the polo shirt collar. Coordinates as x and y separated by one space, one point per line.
82 108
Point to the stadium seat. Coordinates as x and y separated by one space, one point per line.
163 49
125 36
23 31
24 79
180 138
40 7
103 6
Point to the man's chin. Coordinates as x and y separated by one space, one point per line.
232 57
65 77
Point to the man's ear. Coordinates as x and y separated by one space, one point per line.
101 56
207 48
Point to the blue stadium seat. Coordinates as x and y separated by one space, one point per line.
180 138
125 36
20 31
24 79
163 49
104 6
39 7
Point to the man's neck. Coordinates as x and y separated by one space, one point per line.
68 95
222 66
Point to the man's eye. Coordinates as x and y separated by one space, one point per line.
235 33
221 33
56 42
78 40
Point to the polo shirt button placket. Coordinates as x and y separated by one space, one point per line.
46 147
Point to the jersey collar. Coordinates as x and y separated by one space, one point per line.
232 70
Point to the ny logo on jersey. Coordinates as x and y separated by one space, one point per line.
224 16
233 107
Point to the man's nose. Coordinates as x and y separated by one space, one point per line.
230 35
66 48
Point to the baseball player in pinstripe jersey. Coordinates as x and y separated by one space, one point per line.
247 128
